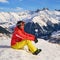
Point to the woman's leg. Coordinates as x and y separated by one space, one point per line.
19 45
30 45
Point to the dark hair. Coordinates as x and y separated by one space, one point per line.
19 23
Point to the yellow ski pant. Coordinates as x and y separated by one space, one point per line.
20 45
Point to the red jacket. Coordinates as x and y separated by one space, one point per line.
19 35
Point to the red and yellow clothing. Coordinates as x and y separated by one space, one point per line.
20 38
19 35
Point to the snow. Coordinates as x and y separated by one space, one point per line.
49 51
56 34
39 20
41 17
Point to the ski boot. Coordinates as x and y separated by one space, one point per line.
37 52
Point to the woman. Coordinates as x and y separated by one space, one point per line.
20 38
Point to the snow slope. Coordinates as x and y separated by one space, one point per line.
49 51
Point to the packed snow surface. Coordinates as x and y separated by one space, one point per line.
49 51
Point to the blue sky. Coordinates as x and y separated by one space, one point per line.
18 5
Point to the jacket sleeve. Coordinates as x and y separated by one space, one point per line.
30 36
25 35
21 35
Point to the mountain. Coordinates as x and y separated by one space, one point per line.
4 31
42 23
45 22
42 16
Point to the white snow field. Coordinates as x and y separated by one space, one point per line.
49 51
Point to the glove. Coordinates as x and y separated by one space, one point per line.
35 40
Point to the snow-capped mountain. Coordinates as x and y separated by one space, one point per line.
10 18
42 17
39 23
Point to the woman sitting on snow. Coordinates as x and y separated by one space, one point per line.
20 38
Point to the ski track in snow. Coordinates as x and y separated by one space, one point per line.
49 51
